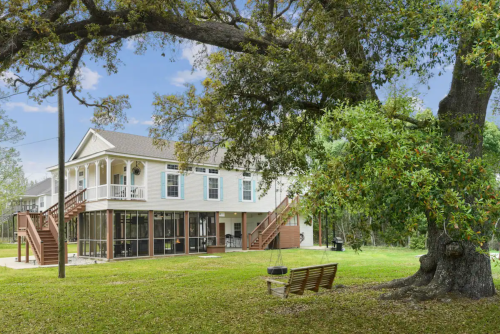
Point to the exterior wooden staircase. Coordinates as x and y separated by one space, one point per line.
42 230
269 228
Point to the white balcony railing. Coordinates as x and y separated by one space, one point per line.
137 192
91 193
102 191
118 191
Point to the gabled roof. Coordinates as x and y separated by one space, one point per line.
41 188
90 133
125 143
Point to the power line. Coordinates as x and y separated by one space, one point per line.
35 142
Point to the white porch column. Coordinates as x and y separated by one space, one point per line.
108 176
145 180
127 186
86 176
86 181
66 182
97 178
76 177
53 185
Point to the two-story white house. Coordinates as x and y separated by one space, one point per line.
139 204
38 197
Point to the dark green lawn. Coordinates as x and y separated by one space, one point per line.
188 294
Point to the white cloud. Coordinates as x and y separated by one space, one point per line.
132 120
450 67
88 78
184 77
190 52
130 44
5 76
147 122
50 109
27 108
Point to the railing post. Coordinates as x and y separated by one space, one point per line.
27 251
260 240
42 254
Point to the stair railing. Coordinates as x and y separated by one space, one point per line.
254 235
273 229
53 210
34 240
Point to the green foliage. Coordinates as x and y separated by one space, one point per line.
398 174
418 242
491 146
12 180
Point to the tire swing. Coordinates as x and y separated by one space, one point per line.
278 268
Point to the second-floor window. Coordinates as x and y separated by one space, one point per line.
247 190
173 185
213 188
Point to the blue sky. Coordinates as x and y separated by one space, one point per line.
140 76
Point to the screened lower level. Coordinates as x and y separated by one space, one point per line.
93 234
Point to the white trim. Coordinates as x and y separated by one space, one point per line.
243 191
218 188
84 140
172 172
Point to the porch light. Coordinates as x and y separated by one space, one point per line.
177 241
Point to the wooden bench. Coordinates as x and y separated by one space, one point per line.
305 278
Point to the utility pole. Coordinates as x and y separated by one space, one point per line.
62 248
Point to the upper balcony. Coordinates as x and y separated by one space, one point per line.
108 178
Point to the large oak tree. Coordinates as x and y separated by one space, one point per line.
278 64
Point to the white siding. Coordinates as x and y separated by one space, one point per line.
92 145
308 233
193 194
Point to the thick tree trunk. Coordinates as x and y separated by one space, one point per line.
454 266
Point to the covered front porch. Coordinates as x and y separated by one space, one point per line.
112 178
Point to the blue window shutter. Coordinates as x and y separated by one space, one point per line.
240 190
205 187
132 179
163 185
182 186
221 185
121 179
254 197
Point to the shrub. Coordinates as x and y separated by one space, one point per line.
417 242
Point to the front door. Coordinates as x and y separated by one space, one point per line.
222 234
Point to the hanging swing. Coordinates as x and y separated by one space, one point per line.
278 268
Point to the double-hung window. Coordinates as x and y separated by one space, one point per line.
247 190
173 185
213 188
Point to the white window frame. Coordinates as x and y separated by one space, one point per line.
249 176
243 191
197 172
218 188
173 172
212 169
172 169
